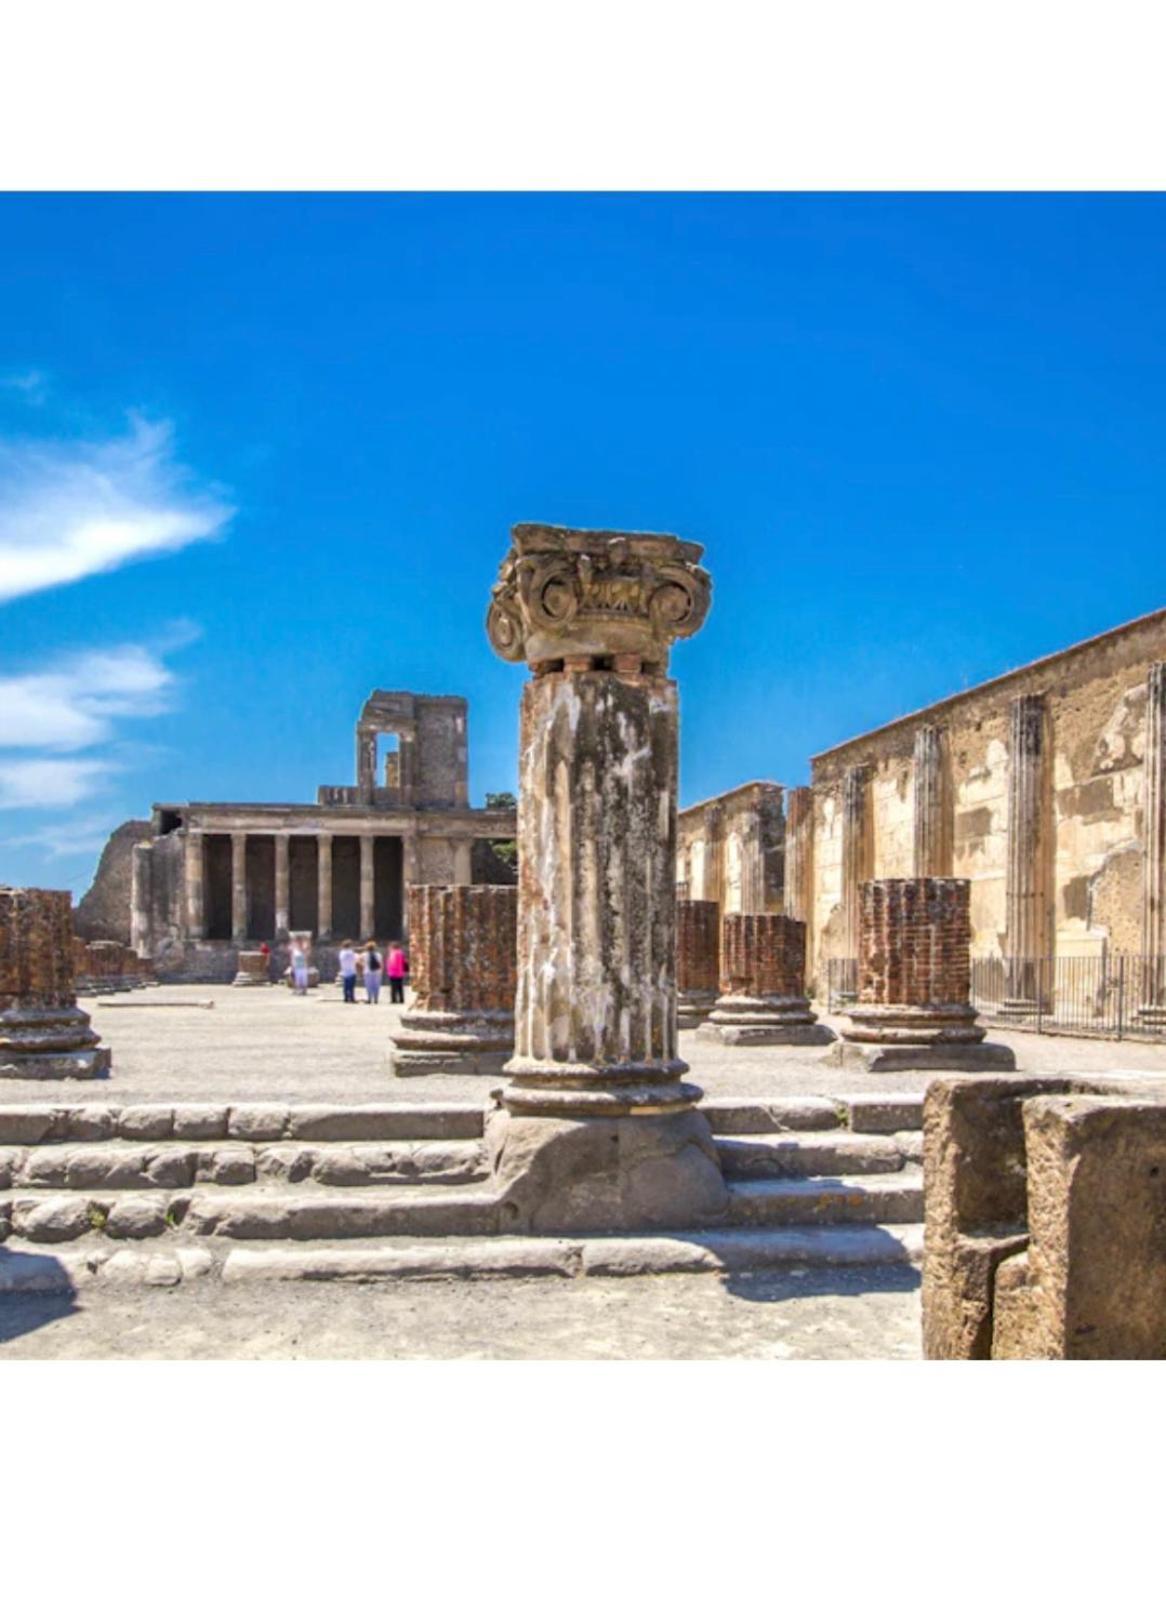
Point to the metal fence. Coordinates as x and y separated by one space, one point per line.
1112 994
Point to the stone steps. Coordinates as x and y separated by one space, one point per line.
175 1163
250 1122
254 1212
75 1266
809 1154
896 1197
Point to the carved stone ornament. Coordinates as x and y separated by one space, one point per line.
595 593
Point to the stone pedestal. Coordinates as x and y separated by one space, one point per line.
462 943
914 982
763 998
597 1127
254 969
43 1033
698 961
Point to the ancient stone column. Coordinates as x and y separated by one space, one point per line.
698 960
1154 850
366 765
713 877
410 873
142 899
598 1128
799 845
367 888
932 845
914 982
763 984
282 852
239 887
44 1036
1025 893
462 956
855 854
323 887
193 870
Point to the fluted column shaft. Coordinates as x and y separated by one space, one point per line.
282 899
799 834
1025 898
194 861
855 854
239 886
367 888
932 846
324 886
1154 836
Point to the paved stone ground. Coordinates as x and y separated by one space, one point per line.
843 1313
264 1043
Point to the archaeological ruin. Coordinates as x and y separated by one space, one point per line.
44 1035
597 1125
210 879
762 999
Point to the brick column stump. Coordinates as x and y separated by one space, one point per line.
763 998
462 960
698 960
254 969
914 982
44 1036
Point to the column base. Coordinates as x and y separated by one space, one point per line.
765 1022
50 1044
692 1007
478 1042
556 1176
941 1036
254 970
1153 1014
1022 1008
562 1088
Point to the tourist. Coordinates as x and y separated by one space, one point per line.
373 969
266 950
347 964
299 965
398 968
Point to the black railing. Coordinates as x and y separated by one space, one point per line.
1112 994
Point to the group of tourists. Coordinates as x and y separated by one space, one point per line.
373 966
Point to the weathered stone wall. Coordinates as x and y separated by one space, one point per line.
914 937
103 913
731 850
763 955
1095 709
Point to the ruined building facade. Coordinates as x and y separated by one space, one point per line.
214 876
1045 788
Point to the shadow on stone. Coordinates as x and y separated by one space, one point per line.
34 1291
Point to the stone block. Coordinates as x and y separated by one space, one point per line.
136 1216
28 1123
54 1219
151 1121
170 1168
884 1058
229 1166
200 1121
257 1121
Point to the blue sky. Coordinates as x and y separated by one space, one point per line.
260 454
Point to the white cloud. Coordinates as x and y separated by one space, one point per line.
44 781
68 510
70 838
74 705
32 384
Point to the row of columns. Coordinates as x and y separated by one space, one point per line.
196 883
1029 829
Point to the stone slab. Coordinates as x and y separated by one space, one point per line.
884 1112
984 1057
757 1036
792 1114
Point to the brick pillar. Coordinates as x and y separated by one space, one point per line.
931 835
1154 849
1025 899
462 964
763 983
698 960
914 981
600 1130
43 1033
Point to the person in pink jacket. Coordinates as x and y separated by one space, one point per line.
396 968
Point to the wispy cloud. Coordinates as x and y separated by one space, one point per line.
75 704
49 781
71 509
32 384
79 837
